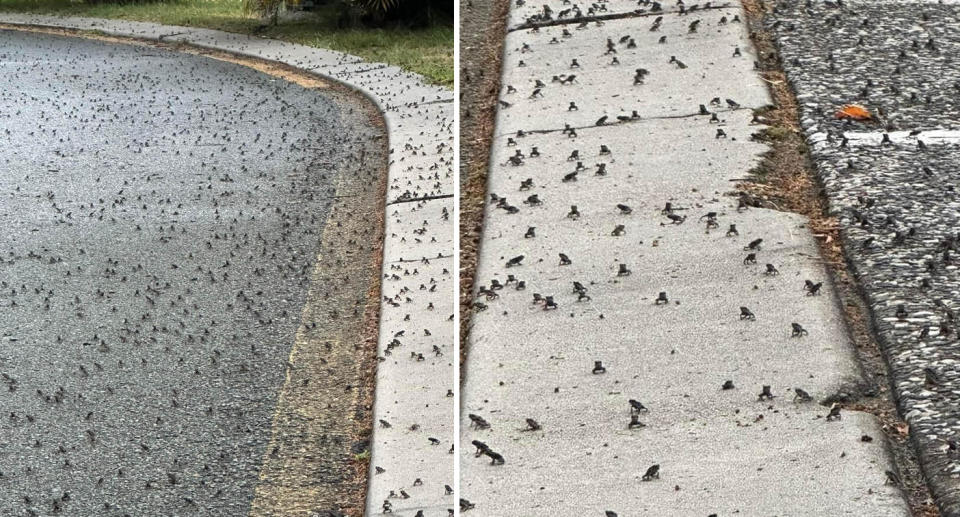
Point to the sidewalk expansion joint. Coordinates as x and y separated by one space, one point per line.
639 13
423 198
625 122
423 259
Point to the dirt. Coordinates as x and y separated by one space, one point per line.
482 34
785 180
350 495
366 346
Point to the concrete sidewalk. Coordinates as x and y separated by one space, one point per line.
720 451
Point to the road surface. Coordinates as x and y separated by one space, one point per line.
163 215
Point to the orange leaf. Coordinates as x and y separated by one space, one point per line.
854 111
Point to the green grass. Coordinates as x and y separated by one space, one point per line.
427 51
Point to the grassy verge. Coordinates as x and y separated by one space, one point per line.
427 51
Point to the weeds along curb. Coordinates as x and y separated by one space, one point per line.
480 83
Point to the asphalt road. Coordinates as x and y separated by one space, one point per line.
896 202
162 215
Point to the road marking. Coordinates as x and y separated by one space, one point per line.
898 138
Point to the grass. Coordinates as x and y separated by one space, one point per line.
427 51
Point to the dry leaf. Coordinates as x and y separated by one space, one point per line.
854 112
903 428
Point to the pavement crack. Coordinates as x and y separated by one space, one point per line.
170 35
639 13
365 70
850 392
422 198
439 256
625 122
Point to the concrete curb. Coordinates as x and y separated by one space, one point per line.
411 395
714 447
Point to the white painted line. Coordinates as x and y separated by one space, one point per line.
902 138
